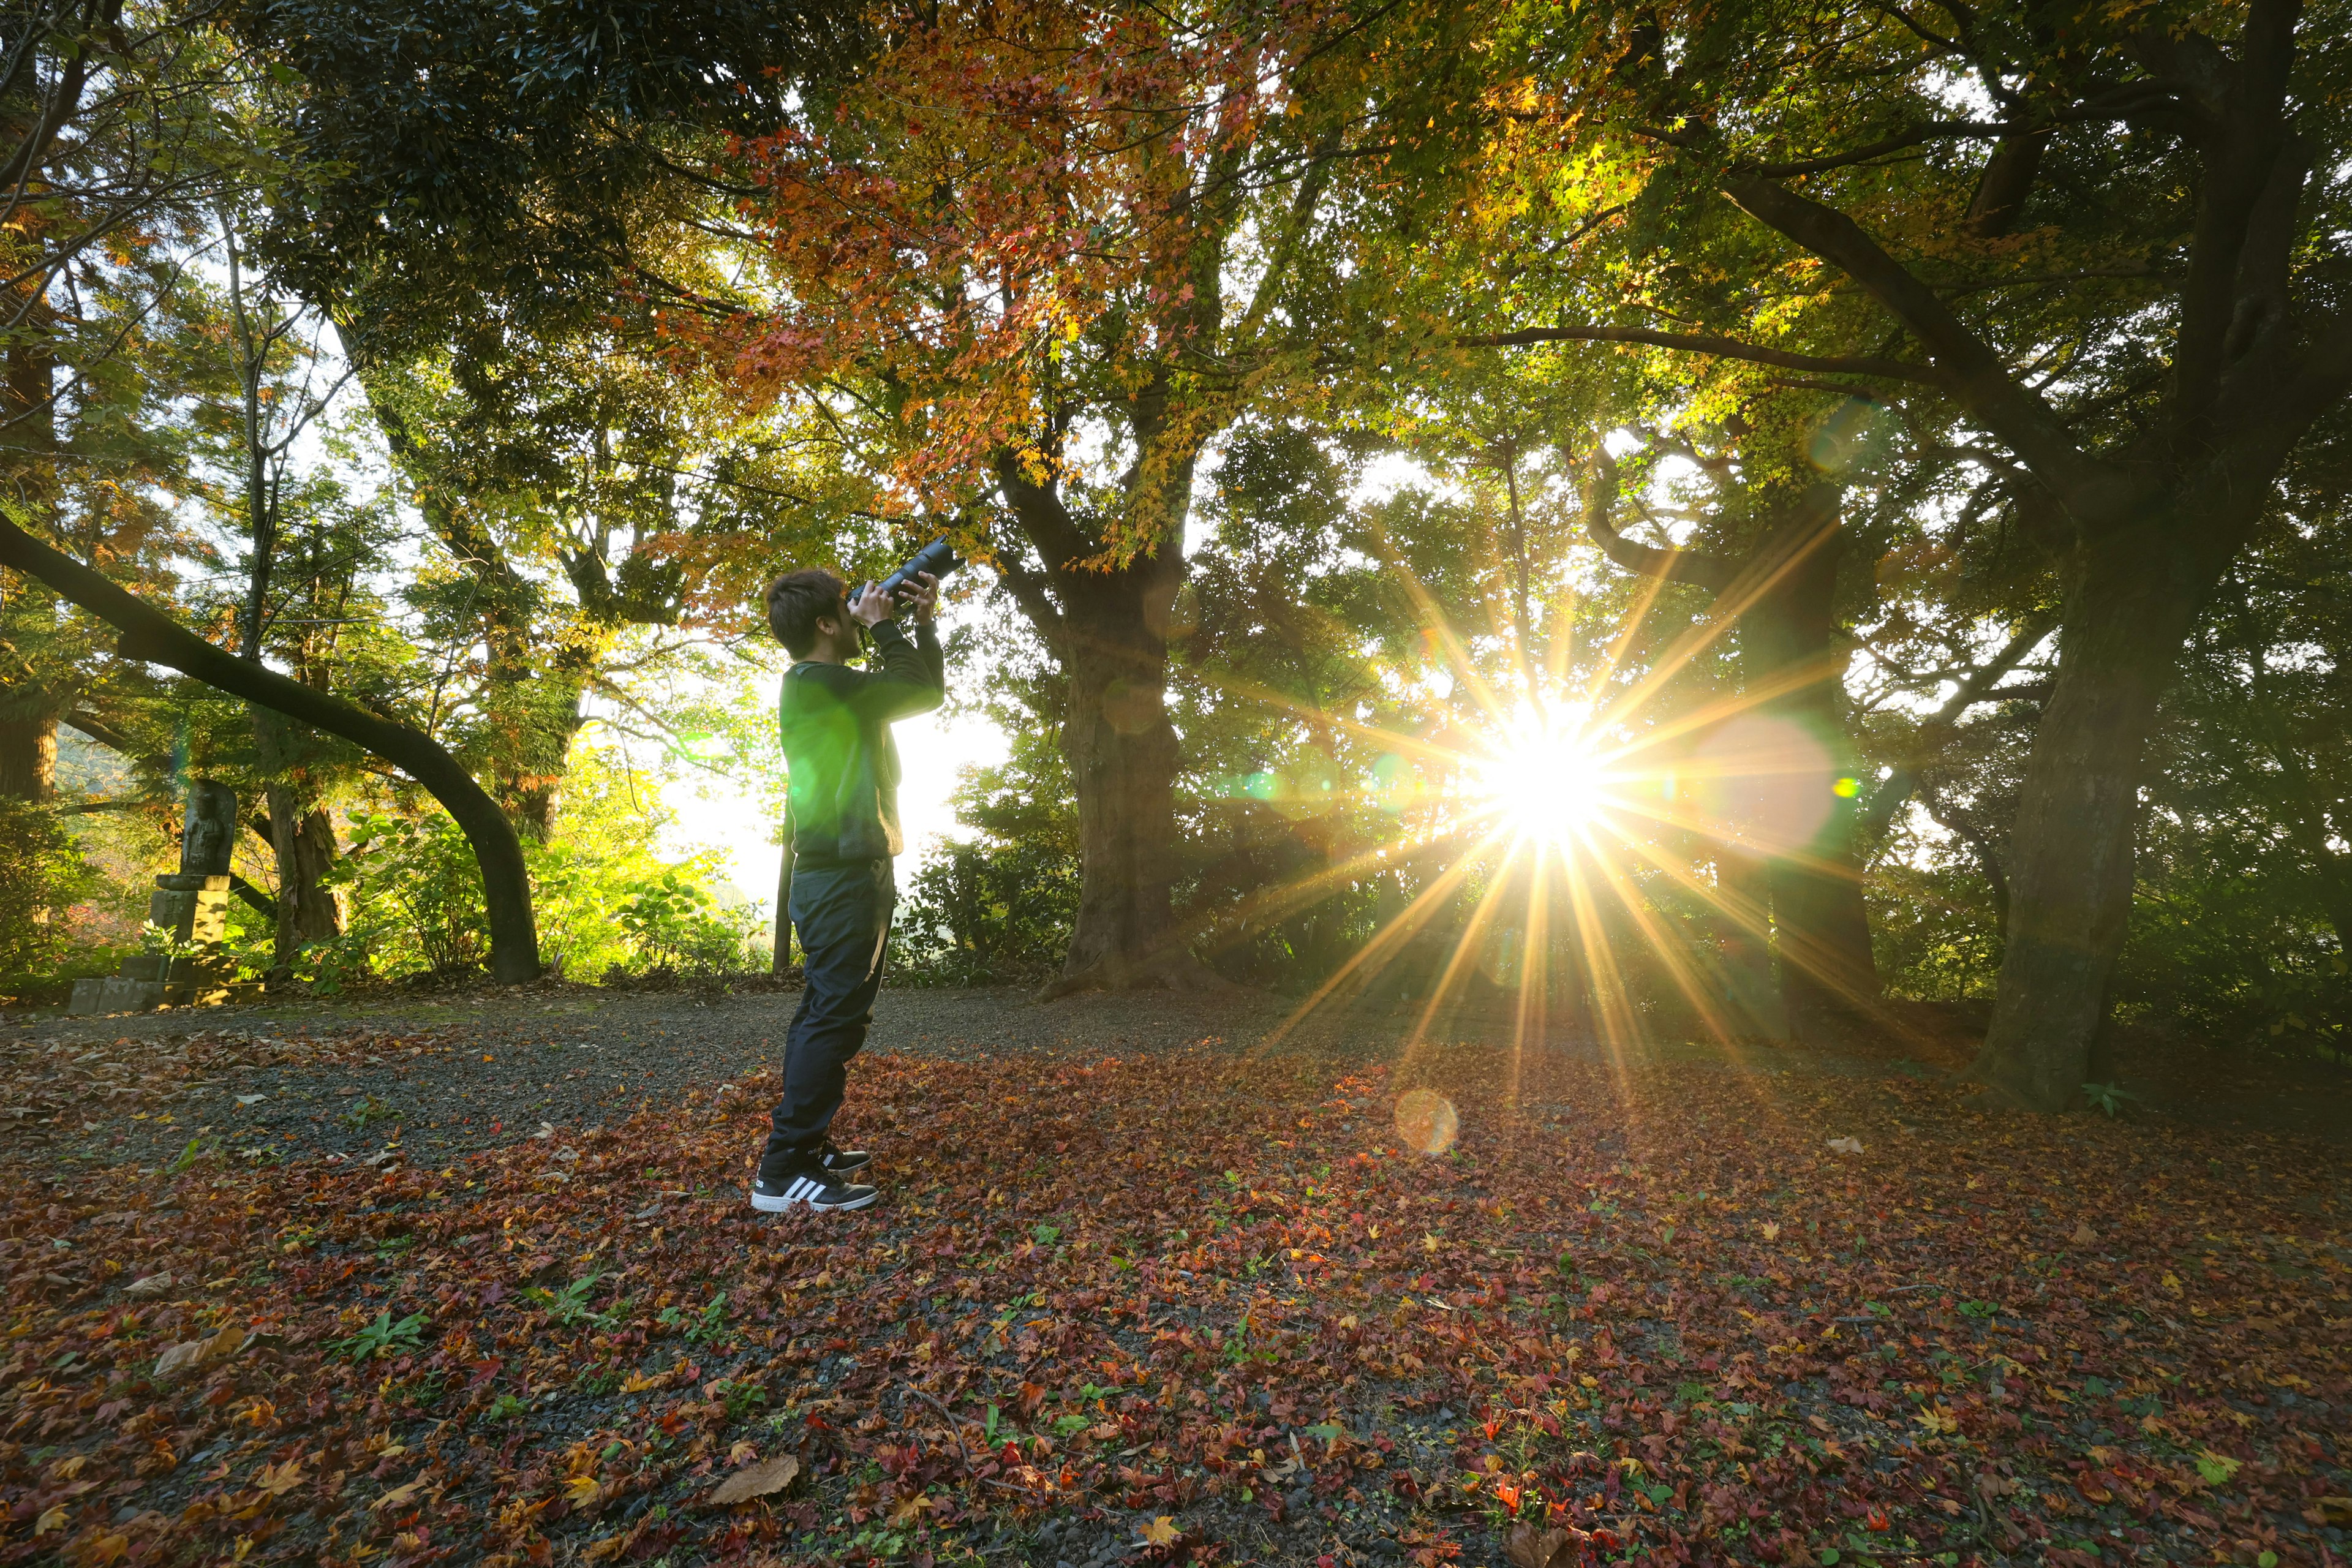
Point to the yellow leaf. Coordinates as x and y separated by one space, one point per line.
758 1481
400 1494
53 1520
1161 1531
1429 1244
742 1453
2084 1234
1937 1420
68 1469
279 1479
909 1507
578 1491
637 1383
1771 1230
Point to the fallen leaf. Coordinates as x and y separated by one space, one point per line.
192 1353
154 1285
2084 1234
1771 1230
1531 1548
406 1489
579 1490
909 1507
1939 1420
55 1518
279 1479
1846 1145
1161 1531
758 1481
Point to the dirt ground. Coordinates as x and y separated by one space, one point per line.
437 1078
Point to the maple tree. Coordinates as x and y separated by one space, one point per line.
1036 259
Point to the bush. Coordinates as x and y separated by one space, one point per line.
416 901
676 924
978 914
42 876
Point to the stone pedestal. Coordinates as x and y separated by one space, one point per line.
192 905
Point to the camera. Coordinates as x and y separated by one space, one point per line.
938 558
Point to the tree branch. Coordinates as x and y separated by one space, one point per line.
1966 365
1722 348
1710 571
1934 733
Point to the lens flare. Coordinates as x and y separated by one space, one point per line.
1427 1121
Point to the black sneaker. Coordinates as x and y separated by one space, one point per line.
844 1162
808 1189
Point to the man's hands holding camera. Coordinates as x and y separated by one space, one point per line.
919 594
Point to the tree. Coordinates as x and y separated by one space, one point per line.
1786 746
1036 260
151 635
2139 329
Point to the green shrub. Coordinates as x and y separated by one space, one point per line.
674 923
415 897
978 914
603 908
42 876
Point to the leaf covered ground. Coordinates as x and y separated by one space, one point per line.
1194 1306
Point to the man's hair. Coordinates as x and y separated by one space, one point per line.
796 601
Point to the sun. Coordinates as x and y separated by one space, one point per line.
1543 778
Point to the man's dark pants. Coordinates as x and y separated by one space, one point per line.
842 914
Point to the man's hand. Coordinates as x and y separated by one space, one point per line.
919 593
871 606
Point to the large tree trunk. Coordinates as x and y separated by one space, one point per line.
304 844
2128 611
29 757
1789 649
1122 755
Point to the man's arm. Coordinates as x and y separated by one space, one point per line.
934 657
907 683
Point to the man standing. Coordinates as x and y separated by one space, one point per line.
844 790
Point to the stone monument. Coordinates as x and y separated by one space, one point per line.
192 906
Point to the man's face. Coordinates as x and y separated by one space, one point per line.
851 623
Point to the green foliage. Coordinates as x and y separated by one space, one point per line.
570 1305
414 893
42 876
979 913
676 925
606 905
2108 1098
384 1338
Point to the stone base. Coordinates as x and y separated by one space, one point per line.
188 986
116 994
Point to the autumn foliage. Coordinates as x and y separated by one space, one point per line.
1213 1308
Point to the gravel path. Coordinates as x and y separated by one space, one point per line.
430 1079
